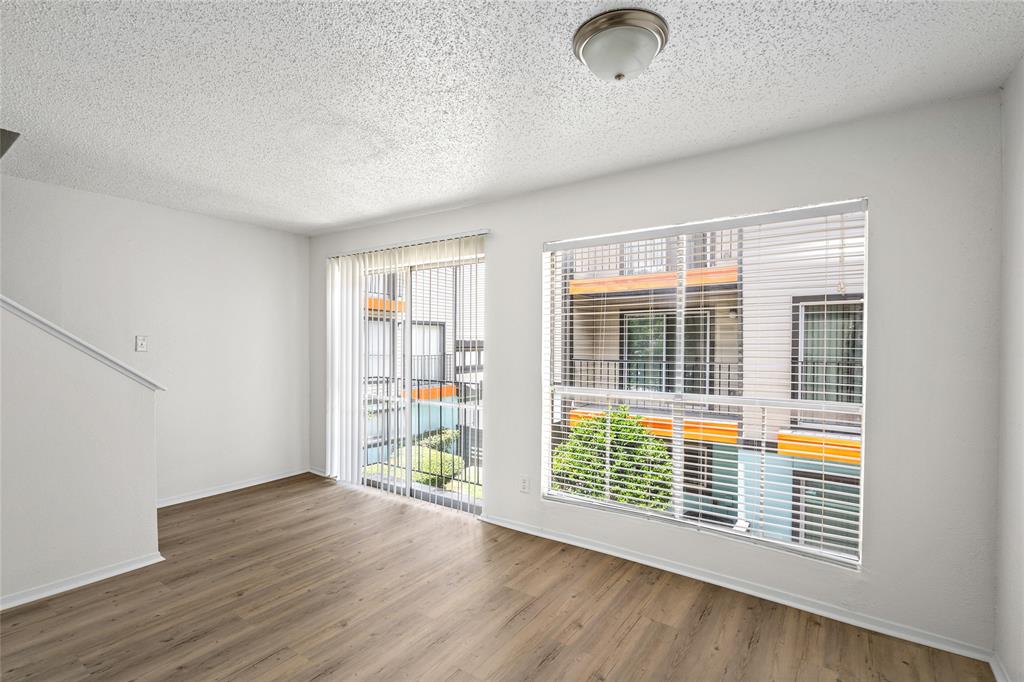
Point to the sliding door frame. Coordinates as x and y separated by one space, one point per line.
402 327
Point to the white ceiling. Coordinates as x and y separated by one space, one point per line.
316 116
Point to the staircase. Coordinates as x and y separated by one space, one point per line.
77 461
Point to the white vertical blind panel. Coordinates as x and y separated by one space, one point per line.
713 378
345 330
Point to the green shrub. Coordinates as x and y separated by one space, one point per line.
430 467
433 467
442 439
614 457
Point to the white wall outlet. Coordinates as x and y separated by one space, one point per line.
141 344
524 484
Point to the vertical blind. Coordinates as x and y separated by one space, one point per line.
713 375
406 363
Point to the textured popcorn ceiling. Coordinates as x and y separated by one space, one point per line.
315 116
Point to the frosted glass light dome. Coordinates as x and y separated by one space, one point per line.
620 53
620 44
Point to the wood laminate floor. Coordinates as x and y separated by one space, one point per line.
302 579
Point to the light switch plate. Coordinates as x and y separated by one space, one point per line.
141 344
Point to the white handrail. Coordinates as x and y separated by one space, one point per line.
75 342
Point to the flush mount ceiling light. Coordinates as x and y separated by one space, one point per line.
618 45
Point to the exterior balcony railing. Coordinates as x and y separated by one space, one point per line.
711 378
705 258
837 381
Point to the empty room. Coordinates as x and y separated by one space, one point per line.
512 340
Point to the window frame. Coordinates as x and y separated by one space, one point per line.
562 390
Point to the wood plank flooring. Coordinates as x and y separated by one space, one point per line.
302 579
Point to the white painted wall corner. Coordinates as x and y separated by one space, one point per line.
227 488
999 670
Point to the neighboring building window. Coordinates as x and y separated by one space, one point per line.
428 351
380 358
699 250
697 469
648 343
711 249
829 348
382 285
718 382
469 356
697 351
644 257
827 509
646 346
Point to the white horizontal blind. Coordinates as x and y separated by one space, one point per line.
412 332
714 376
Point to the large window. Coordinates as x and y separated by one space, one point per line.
718 384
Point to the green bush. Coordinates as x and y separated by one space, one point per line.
442 439
614 457
434 467
430 467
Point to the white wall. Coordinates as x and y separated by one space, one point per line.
78 493
1010 597
225 306
933 179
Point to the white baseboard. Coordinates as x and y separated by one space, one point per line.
998 670
80 580
763 591
318 471
227 488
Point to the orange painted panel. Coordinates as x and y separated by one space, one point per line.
606 285
711 431
576 416
659 426
385 305
725 274
813 446
693 429
809 446
433 392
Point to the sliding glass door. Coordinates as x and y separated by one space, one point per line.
422 364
